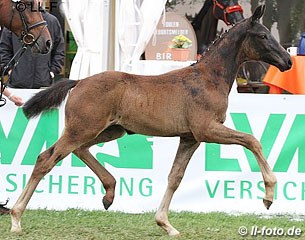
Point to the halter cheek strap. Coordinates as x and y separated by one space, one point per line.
26 37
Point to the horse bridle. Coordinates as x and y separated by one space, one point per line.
27 39
226 10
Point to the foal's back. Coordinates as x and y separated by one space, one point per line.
152 105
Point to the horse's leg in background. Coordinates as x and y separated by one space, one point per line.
69 141
185 151
218 133
105 177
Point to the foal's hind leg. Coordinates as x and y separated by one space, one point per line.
44 164
105 177
186 149
218 133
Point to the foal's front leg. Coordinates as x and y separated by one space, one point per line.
185 151
218 133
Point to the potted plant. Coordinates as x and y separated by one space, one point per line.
180 47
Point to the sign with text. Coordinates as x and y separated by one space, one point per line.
218 178
169 26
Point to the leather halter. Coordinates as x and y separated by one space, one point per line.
26 37
226 10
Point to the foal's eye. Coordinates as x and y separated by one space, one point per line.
263 36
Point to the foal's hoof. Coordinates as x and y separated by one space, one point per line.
17 230
267 203
173 233
106 203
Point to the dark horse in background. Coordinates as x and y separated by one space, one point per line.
189 103
206 21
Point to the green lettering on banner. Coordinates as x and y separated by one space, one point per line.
295 142
72 184
148 188
285 190
261 187
212 192
89 185
11 182
10 144
53 183
38 191
135 151
24 180
271 131
128 189
213 161
45 135
227 188
244 189
303 191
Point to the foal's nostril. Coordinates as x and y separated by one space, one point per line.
48 45
289 63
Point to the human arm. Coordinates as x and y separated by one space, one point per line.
12 97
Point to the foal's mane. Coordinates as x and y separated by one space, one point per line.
218 39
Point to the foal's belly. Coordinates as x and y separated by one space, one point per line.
154 126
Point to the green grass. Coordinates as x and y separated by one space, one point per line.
76 224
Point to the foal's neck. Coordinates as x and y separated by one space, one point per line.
226 54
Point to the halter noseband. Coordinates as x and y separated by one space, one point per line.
226 10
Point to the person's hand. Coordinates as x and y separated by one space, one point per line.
16 99
52 75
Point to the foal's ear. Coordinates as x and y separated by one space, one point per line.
258 13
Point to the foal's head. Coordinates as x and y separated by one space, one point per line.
260 45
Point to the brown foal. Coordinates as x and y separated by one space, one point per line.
190 103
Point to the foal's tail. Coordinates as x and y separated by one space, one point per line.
49 98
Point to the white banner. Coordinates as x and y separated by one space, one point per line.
218 178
